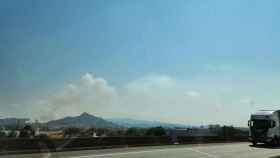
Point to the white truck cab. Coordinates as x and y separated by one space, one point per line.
264 127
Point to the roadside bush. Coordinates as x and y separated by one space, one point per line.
27 132
135 132
12 134
42 136
72 131
156 131
3 134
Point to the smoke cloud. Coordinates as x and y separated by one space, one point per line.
153 97
90 93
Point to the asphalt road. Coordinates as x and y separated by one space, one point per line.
229 150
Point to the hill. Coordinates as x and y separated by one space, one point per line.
84 120
126 122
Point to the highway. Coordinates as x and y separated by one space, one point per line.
226 150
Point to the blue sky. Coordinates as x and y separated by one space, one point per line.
203 46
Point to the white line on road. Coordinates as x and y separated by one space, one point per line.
204 153
116 154
147 151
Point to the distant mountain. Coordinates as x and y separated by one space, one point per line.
83 120
125 122
13 121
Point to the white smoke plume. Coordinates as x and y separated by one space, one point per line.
89 93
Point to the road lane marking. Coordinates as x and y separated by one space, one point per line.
116 154
204 153
148 151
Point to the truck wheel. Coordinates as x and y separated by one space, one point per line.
273 142
276 141
254 143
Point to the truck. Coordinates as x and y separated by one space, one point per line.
264 127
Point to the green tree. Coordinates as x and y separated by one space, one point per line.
135 132
156 131
72 131
12 134
3 134
27 132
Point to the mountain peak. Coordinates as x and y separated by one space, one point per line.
85 114
83 120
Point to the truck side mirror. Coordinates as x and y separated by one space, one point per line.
248 123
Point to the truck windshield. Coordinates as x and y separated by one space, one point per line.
260 124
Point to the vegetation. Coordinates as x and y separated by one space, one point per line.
156 131
12 134
72 132
2 134
27 132
113 132
135 132
42 136
227 131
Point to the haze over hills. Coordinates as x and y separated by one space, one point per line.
86 120
13 121
126 122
